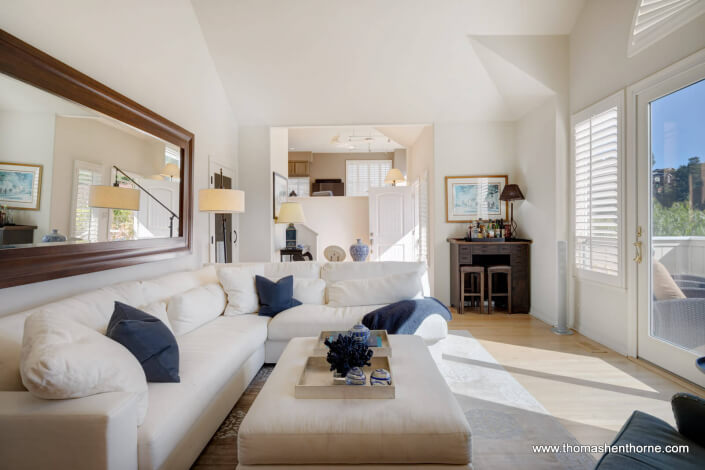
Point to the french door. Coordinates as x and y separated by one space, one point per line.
670 232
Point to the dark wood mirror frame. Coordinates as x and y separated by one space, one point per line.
26 265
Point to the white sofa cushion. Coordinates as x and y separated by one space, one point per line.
92 309
210 356
62 358
370 269
310 320
195 307
299 269
162 288
310 291
375 290
238 281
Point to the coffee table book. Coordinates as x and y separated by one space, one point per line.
316 381
378 342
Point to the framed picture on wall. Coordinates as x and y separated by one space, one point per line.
471 198
20 185
280 192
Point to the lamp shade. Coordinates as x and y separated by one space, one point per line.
511 192
171 170
394 176
291 213
114 197
221 201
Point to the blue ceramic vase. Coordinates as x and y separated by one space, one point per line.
359 251
360 333
380 377
54 236
355 377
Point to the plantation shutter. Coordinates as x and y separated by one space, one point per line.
423 219
84 220
172 155
655 19
361 175
597 208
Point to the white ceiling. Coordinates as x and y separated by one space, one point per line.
344 139
313 62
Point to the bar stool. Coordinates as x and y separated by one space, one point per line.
479 278
491 271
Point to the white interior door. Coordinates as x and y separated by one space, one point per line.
670 119
152 220
391 224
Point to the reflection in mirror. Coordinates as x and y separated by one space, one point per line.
60 162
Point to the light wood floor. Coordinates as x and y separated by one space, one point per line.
591 389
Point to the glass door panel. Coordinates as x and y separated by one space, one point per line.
671 215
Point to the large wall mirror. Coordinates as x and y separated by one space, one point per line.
89 180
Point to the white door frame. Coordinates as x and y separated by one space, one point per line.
214 166
678 76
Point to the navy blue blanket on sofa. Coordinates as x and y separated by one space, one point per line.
405 316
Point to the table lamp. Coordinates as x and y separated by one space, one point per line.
222 201
117 197
394 176
511 193
291 213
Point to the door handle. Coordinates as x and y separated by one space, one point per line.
637 245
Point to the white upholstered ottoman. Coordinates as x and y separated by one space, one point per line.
422 425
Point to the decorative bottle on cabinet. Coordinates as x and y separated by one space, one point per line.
359 251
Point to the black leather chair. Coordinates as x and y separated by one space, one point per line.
642 429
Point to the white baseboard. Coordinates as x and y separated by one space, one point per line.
547 319
601 339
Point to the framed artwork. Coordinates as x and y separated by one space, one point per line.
280 192
471 198
20 186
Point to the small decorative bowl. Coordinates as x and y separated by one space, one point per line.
380 377
355 377
360 333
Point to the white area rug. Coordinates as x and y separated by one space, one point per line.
506 420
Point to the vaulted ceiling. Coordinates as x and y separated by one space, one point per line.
314 62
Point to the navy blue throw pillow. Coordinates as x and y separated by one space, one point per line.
275 297
150 340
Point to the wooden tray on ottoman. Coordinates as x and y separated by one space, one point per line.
316 381
376 337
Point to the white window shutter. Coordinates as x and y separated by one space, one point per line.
597 191
656 19
84 219
361 175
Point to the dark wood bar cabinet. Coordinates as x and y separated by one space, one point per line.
515 253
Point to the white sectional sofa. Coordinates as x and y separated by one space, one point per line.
217 362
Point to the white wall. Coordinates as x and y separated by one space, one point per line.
464 149
338 220
94 141
172 74
536 217
599 67
255 177
28 137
